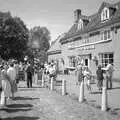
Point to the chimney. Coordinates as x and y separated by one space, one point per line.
77 14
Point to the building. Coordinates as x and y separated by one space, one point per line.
54 53
94 39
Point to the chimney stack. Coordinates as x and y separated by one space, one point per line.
77 14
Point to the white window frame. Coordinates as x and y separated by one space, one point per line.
106 35
105 15
105 58
80 24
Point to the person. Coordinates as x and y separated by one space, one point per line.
29 75
6 87
16 66
11 72
109 74
52 72
79 71
87 78
21 71
99 74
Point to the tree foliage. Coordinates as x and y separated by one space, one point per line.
13 37
39 39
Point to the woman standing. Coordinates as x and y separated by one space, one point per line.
6 87
87 78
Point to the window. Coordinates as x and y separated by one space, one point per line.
106 35
86 62
106 58
72 61
80 24
105 14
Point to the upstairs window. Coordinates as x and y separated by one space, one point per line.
80 24
105 14
106 35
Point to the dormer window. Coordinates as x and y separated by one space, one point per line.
80 24
105 14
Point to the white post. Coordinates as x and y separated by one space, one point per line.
43 79
104 99
63 87
52 84
81 94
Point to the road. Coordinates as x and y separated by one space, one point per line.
42 104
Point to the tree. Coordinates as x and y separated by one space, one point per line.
39 39
13 38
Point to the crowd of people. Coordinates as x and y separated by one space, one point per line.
11 72
84 74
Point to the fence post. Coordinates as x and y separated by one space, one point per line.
81 94
104 99
63 87
52 84
104 104
43 79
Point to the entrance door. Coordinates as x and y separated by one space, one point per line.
85 60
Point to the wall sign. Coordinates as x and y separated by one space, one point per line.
87 47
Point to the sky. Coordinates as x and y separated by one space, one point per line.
56 15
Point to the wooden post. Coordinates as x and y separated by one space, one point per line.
52 84
81 94
63 87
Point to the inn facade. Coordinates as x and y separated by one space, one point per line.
94 39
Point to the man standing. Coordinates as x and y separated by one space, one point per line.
109 74
11 72
29 71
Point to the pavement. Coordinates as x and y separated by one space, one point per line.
43 104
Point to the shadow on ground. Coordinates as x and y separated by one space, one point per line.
19 105
116 88
11 110
21 118
25 98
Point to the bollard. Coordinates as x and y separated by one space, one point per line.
43 79
63 87
104 99
81 94
52 84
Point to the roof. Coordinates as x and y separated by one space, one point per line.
94 22
56 45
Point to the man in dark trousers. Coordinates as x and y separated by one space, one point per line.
29 71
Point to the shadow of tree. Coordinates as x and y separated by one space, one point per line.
27 89
21 118
25 98
19 105
96 93
115 88
10 110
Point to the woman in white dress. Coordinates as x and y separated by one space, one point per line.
6 87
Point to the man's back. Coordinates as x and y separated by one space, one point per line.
11 73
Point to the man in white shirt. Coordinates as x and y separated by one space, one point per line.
109 73
11 72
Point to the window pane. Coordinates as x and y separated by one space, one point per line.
105 35
110 55
108 34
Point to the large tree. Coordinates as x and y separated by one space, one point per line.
39 39
13 37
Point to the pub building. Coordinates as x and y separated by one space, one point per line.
94 39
